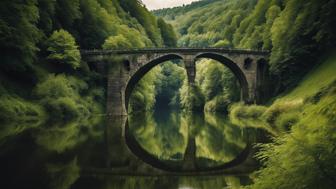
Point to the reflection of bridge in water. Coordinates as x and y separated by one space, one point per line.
126 157
124 68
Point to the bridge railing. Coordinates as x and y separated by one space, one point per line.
170 49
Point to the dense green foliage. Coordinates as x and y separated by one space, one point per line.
42 76
40 52
64 97
143 95
303 122
218 85
167 33
298 33
168 84
63 49
295 31
191 97
19 34
214 90
145 18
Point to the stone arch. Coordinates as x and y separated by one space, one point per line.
234 68
135 78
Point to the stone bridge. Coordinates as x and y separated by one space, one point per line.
124 69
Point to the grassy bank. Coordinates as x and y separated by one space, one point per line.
302 154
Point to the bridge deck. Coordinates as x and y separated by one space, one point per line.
173 50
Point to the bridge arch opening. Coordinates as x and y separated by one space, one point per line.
235 69
132 142
139 74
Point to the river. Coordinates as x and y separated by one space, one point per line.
58 155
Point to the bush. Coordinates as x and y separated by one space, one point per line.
304 155
117 42
242 111
273 112
55 87
63 97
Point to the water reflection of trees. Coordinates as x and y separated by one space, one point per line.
219 140
45 155
15 128
61 136
63 175
166 136
166 140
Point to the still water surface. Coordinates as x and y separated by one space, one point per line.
56 155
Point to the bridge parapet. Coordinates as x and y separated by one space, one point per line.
90 52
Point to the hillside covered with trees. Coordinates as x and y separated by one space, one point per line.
296 32
300 117
41 72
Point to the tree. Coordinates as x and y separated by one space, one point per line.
18 34
117 42
167 33
63 49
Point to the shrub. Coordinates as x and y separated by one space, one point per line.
54 87
63 97
116 42
240 110
273 112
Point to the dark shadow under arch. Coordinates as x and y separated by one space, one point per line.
234 68
142 71
262 92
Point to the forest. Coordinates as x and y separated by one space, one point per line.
43 78
300 109
42 74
